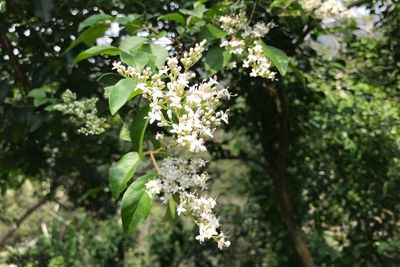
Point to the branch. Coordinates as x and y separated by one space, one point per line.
19 221
278 178
253 11
307 29
153 160
9 48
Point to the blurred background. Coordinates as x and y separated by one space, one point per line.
342 170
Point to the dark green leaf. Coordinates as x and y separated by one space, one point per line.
216 60
124 133
210 33
43 9
89 36
122 171
136 203
174 17
170 213
92 20
97 50
108 79
39 97
277 56
138 129
120 93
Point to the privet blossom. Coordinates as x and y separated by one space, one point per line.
181 178
188 111
242 36
329 9
83 112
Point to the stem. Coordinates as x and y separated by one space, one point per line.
253 11
153 160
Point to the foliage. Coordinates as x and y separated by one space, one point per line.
320 125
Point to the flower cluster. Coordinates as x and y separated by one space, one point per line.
181 178
241 36
113 31
259 63
329 9
187 111
84 112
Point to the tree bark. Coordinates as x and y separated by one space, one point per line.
280 184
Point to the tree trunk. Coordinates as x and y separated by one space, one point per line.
271 104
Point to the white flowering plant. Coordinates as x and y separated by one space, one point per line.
174 95
165 91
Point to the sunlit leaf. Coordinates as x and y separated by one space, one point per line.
122 171
120 93
97 50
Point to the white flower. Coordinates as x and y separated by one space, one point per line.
181 178
222 242
260 64
113 31
190 109
105 40
163 41
159 136
154 187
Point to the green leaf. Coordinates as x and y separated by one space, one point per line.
277 56
298 73
89 36
160 54
92 20
210 33
132 43
120 93
138 129
174 17
281 4
127 19
216 60
136 203
97 50
139 59
122 171
170 213
198 11
2 6
39 97
108 79
124 134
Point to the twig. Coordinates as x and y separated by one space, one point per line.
19 221
9 48
307 29
153 159
253 11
